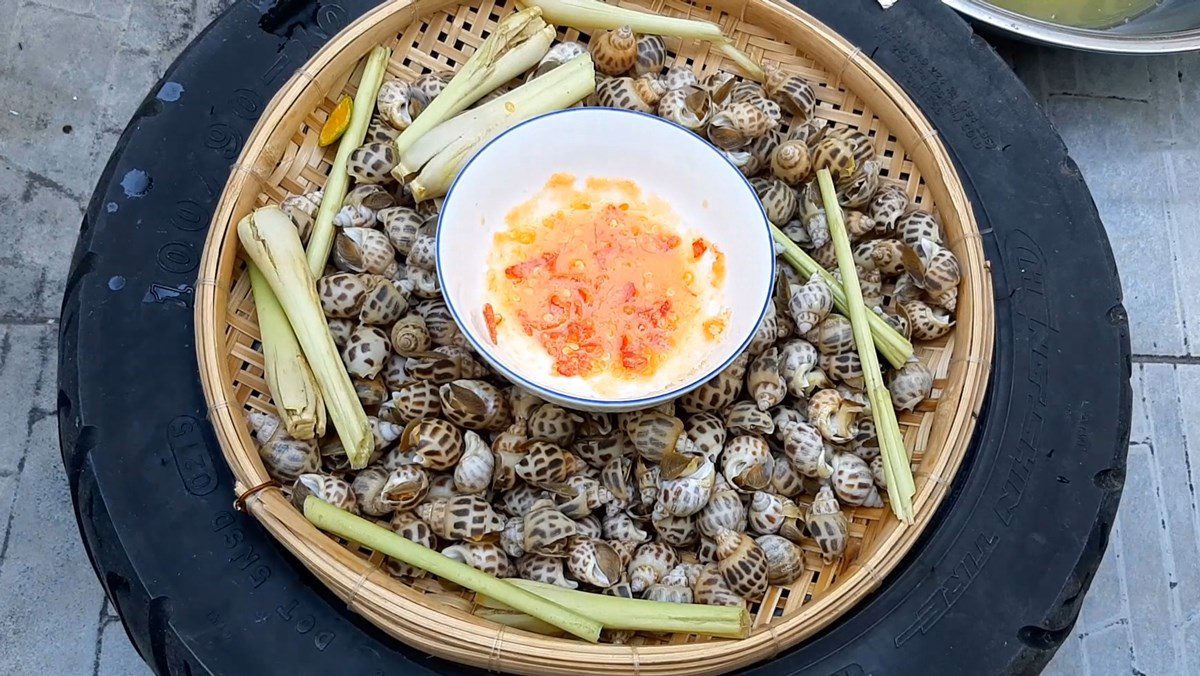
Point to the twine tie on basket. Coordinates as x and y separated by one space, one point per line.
923 139
257 177
636 659
493 663
776 644
240 503
852 57
935 478
870 568
965 237
218 406
979 361
363 574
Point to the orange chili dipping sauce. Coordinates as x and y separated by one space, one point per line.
602 279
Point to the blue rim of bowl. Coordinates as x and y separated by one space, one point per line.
582 401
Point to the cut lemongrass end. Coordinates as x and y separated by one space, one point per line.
625 614
289 378
594 15
891 443
893 346
320 239
446 149
270 239
344 524
516 45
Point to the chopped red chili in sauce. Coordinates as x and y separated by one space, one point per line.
602 285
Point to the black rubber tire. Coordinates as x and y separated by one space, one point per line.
994 585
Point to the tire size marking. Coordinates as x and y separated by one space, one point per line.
191 455
242 555
927 82
1032 327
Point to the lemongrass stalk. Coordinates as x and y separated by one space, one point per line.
594 14
743 61
517 44
517 620
270 238
561 87
893 346
340 522
552 91
289 377
320 239
891 444
615 612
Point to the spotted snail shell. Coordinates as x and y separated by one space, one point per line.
474 404
553 423
711 589
707 433
615 51
364 250
642 94
373 162
785 561
547 569
853 482
462 517
835 417
742 563
672 588
886 207
686 483
547 530
593 561
486 556
326 488
366 352
910 385
398 103
810 303
777 199
688 107
724 510
745 417
791 92
790 162
401 226
654 433
650 563
557 55
473 473
719 391
747 464
651 55
764 381
798 365
827 524
410 527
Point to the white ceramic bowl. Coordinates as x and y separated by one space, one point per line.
709 194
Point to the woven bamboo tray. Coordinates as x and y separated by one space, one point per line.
282 157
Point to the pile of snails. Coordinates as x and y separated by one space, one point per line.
707 499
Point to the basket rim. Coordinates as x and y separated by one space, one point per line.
505 648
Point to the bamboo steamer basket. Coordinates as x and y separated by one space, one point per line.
281 157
